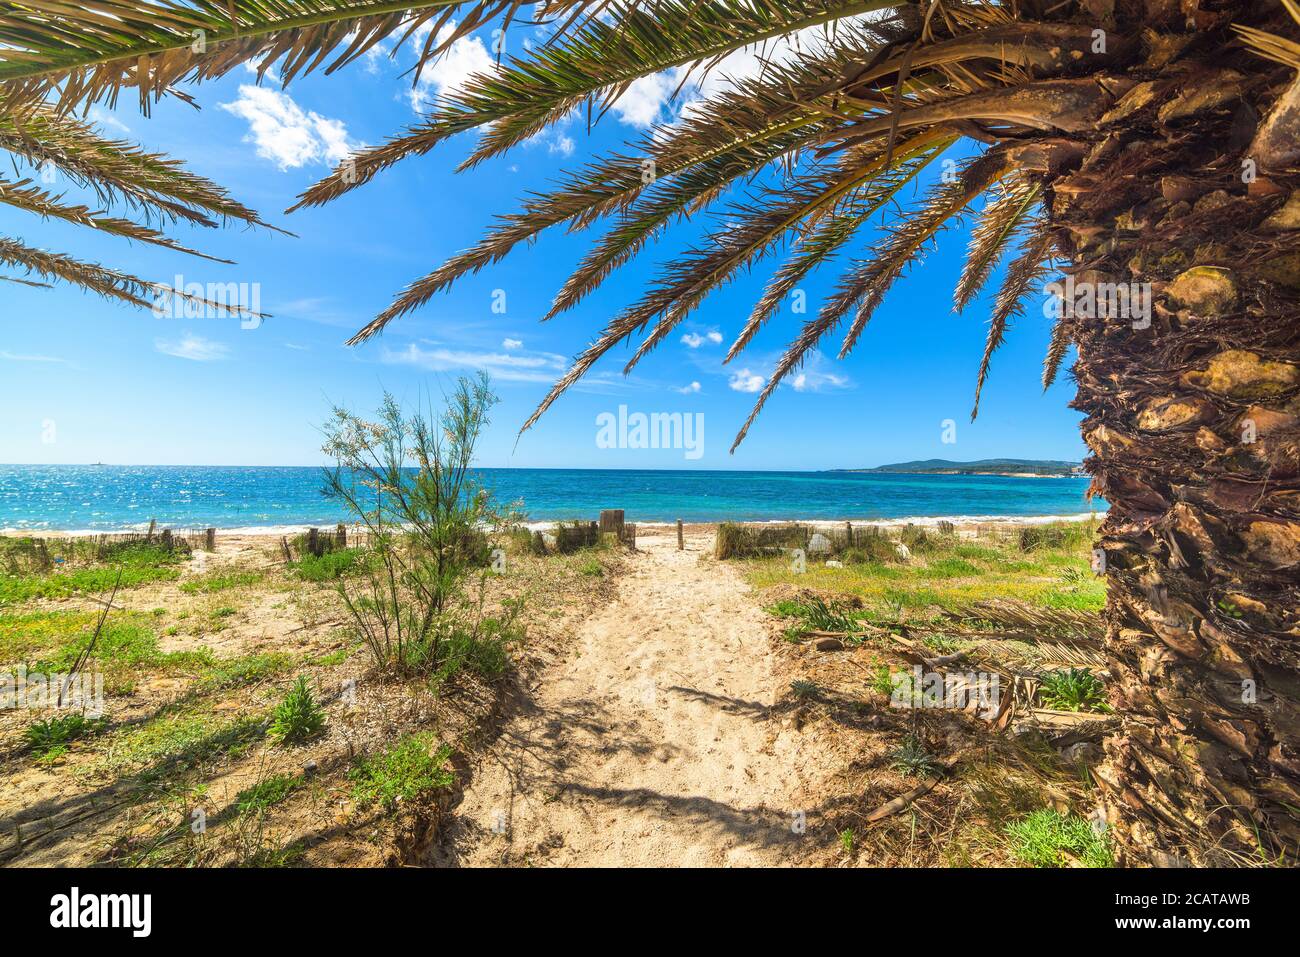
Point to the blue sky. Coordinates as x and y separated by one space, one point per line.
84 380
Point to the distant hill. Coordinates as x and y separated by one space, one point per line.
980 467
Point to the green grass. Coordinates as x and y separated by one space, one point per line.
1048 838
177 740
298 717
329 566
947 573
221 581
265 793
246 670
592 568
413 767
50 738
138 564
52 641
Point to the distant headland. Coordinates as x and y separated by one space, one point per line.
1023 468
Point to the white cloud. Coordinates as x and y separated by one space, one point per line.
104 118
297 348
512 343
448 73
689 389
814 379
14 357
193 347
644 100
746 381
509 367
563 145
287 134
693 340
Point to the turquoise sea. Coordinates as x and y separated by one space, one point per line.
110 497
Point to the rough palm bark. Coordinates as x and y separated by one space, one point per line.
1191 186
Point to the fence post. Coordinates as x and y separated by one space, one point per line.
848 534
343 535
681 543
611 520
167 539
313 541
153 522
210 540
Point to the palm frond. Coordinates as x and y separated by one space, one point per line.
1030 265
23 195
108 283
835 231
77 54
998 226
865 285
116 170
1277 48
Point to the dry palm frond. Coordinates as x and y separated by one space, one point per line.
98 279
23 195
1032 622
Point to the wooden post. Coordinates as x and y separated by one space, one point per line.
611 520
681 542
167 539
210 540
313 541
848 534
153 522
343 535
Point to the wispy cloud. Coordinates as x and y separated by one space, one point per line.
285 133
190 346
512 343
689 389
16 357
508 367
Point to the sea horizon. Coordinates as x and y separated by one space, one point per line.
108 498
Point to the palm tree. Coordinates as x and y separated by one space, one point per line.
1138 146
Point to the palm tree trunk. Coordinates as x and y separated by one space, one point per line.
1193 421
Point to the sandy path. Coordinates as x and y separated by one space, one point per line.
647 743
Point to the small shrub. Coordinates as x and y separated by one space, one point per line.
1073 689
804 690
846 840
50 738
298 717
912 758
1048 838
329 566
592 568
882 680
412 767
